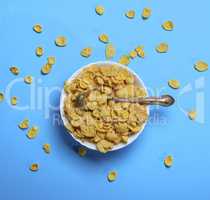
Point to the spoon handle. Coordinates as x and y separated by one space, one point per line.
165 100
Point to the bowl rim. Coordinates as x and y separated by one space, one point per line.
87 144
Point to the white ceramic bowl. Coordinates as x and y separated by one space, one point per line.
65 121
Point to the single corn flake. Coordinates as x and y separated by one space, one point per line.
192 115
146 13
15 70
110 51
168 161
168 25
61 41
124 60
1 96
24 124
175 84
39 51
162 48
51 60
82 151
46 69
133 54
32 133
46 148
140 51
14 101
100 10
201 66
37 28
86 52
130 14
34 167
112 175
103 38
28 79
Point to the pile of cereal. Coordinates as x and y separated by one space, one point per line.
101 120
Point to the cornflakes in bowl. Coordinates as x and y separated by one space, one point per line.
100 123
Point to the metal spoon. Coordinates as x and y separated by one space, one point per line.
164 100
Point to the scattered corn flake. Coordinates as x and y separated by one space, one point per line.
32 133
140 51
39 51
15 70
1 96
168 25
34 167
133 54
110 51
61 41
162 47
146 13
100 10
51 60
192 115
130 14
86 52
201 66
28 79
103 38
37 28
24 124
82 151
47 148
168 161
175 84
112 175
124 60
46 69
14 101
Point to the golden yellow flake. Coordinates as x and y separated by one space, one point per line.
168 161
192 115
15 70
82 151
34 167
103 38
140 51
14 101
175 84
201 66
86 52
32 133
61 41
162 47
37 28
28 79
168 25
110 51
24 124
46 148
133 54
46 69
125 139
39 51
100 10
51 60
1 96
124 60
130 14
112 175
146 13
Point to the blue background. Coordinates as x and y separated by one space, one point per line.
141 173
